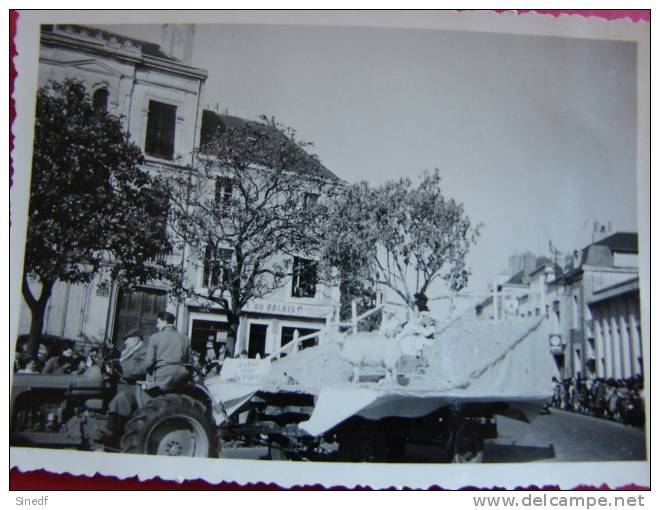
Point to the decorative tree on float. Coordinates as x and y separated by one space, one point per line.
240 216
400 236
91 208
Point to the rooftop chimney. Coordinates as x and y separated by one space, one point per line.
178 40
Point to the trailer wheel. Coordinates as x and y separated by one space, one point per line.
363 443
277 450
173 425
467 444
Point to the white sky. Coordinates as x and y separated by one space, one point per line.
534 135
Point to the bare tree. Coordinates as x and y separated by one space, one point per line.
247 207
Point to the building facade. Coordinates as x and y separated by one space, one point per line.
159 97
591 347
592 305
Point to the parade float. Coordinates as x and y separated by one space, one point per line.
365 395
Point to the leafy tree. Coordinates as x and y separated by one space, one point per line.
250 204
91 207
400 236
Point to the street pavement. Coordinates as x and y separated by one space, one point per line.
564 437
555 437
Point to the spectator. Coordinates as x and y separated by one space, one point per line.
211 362
42 354
223 354
61 364
78 365
32 366
94 357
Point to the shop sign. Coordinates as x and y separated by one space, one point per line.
244 370
298 310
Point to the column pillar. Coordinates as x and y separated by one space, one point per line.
609 348
600 355
628 363
636 338
616 343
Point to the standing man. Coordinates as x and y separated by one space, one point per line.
168 353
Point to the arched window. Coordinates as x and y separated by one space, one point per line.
100 100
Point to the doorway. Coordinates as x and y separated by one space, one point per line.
138 309
205 331
257 340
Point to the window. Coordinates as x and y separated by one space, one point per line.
224 189
100 100
304 278
160 130
556 310
576 312
217 267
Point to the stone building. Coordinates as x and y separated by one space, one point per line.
592 306
298 308
614 330
605 283
158 95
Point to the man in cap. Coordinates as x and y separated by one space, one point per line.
124 403
168 353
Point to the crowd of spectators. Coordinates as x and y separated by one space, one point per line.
67 360
615 399
86 360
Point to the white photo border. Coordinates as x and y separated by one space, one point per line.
288 474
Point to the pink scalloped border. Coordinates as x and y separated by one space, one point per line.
634 15
43 480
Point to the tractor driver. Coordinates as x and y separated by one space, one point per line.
124 403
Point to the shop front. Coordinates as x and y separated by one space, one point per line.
265 326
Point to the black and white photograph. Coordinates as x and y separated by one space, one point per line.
381 248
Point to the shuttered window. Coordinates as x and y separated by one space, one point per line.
224 190
217 267
160 130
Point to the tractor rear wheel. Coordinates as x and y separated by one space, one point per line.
173 425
